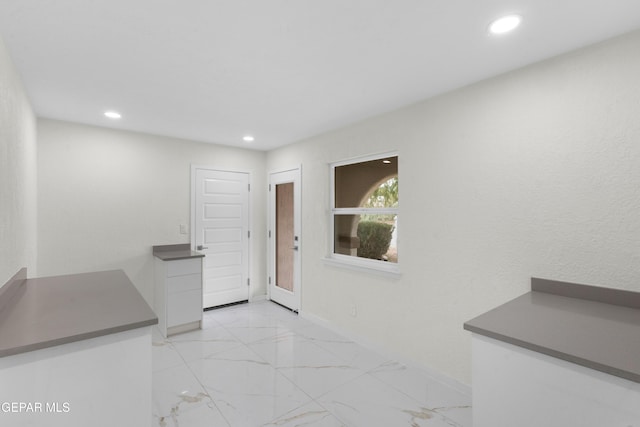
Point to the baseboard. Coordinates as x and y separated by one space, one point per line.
392 355
174 330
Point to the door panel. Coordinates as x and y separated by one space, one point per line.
224 283
221 226
226 259
220 235
222 211
284 242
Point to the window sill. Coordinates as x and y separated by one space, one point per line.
391 271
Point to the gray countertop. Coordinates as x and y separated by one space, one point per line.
49 311
175 252
571 322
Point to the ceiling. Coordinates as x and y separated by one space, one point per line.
281 70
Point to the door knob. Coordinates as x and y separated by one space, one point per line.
200 247
295 248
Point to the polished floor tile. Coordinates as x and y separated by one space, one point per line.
247 390
180 399
163 354
311 414
367 401
203 343
442 399
259 364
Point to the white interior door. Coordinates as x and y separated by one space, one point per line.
284 238
220 230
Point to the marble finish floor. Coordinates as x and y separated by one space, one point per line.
258 364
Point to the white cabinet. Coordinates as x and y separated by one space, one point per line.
513 386
76 352
98 382
178 295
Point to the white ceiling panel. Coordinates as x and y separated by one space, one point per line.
281 70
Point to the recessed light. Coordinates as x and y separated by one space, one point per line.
113 114
386 162
505 24
248 138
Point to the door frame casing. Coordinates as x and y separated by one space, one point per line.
192 215
271 243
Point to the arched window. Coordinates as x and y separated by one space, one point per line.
364 211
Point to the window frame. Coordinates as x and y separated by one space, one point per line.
391 269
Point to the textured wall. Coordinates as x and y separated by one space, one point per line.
18 156
106 196
532 173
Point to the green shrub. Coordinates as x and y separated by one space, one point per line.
375 238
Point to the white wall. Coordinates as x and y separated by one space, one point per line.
106 196
18 157
533 173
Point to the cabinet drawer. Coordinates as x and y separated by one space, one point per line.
184 283
184 307
183 266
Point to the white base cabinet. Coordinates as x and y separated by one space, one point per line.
178 295
98 382
516 387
